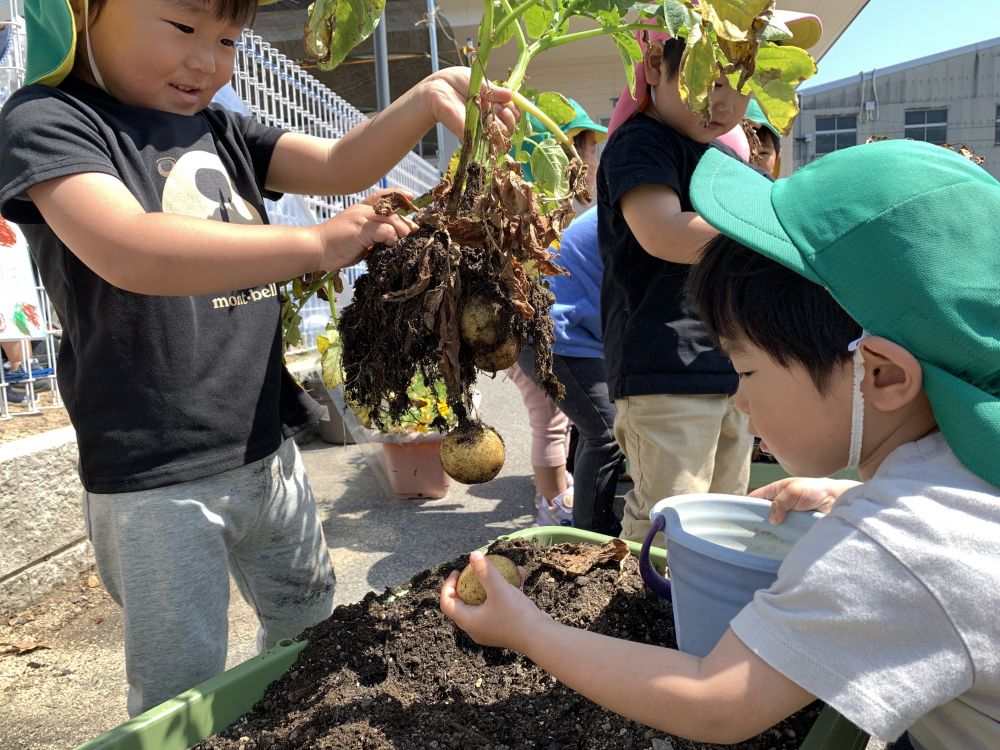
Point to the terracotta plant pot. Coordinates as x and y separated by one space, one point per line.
413 465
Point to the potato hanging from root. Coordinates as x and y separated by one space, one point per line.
481 324
472 453
471 591
501 358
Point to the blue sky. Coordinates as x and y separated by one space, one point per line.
888 32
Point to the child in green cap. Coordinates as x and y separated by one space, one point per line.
766 154
858 300
143 206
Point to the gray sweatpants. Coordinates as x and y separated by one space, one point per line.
165 556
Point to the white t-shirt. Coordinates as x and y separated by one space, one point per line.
889 608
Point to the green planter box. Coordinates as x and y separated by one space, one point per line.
200 712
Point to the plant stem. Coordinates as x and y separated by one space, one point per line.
526 105
587 34
511 17
470 139
521 66
331 298
522 41
567 13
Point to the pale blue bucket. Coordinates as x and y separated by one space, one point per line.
720 550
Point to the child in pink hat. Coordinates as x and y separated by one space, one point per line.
672 388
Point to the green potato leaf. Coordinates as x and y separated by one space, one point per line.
335 27
556 106
592 7
537 19
331 348
609 19
776 31
733 19
548 168
779 71
630 53
505 35
699 72
678 18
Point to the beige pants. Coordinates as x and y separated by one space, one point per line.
677 444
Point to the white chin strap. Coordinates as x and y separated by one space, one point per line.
857 403
90 52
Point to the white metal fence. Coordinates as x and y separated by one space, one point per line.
278 92
38 357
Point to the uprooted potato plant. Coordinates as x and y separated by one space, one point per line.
466 291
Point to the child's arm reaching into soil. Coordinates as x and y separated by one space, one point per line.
726 697
320 166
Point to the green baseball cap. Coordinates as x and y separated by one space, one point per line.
51 33
756 115
537 132
904 235
579 122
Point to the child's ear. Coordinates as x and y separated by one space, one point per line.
893 377
79 12
652 63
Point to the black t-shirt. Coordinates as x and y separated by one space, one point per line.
653 340
161 390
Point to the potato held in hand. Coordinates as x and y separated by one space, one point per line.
471 591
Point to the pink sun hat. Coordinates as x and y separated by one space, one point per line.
806 31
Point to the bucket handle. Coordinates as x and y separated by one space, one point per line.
653 580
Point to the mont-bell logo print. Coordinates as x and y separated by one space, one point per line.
198 185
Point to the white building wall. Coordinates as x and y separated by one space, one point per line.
965 81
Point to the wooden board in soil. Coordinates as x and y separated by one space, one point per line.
392 672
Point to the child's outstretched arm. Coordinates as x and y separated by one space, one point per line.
726 697
319 166
653 213
103 224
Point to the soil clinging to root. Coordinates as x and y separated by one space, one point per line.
393 672
493 241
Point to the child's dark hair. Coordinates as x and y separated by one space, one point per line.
673 51
742 295
242 12
766 137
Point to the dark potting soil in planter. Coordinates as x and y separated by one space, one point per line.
393 672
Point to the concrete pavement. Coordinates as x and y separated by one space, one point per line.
57 697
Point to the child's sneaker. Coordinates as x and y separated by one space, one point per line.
555 512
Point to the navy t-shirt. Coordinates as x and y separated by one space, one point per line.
653 340
161 390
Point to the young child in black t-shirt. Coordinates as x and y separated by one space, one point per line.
672 388
144 209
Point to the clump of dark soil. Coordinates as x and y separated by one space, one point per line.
485 237
393 672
